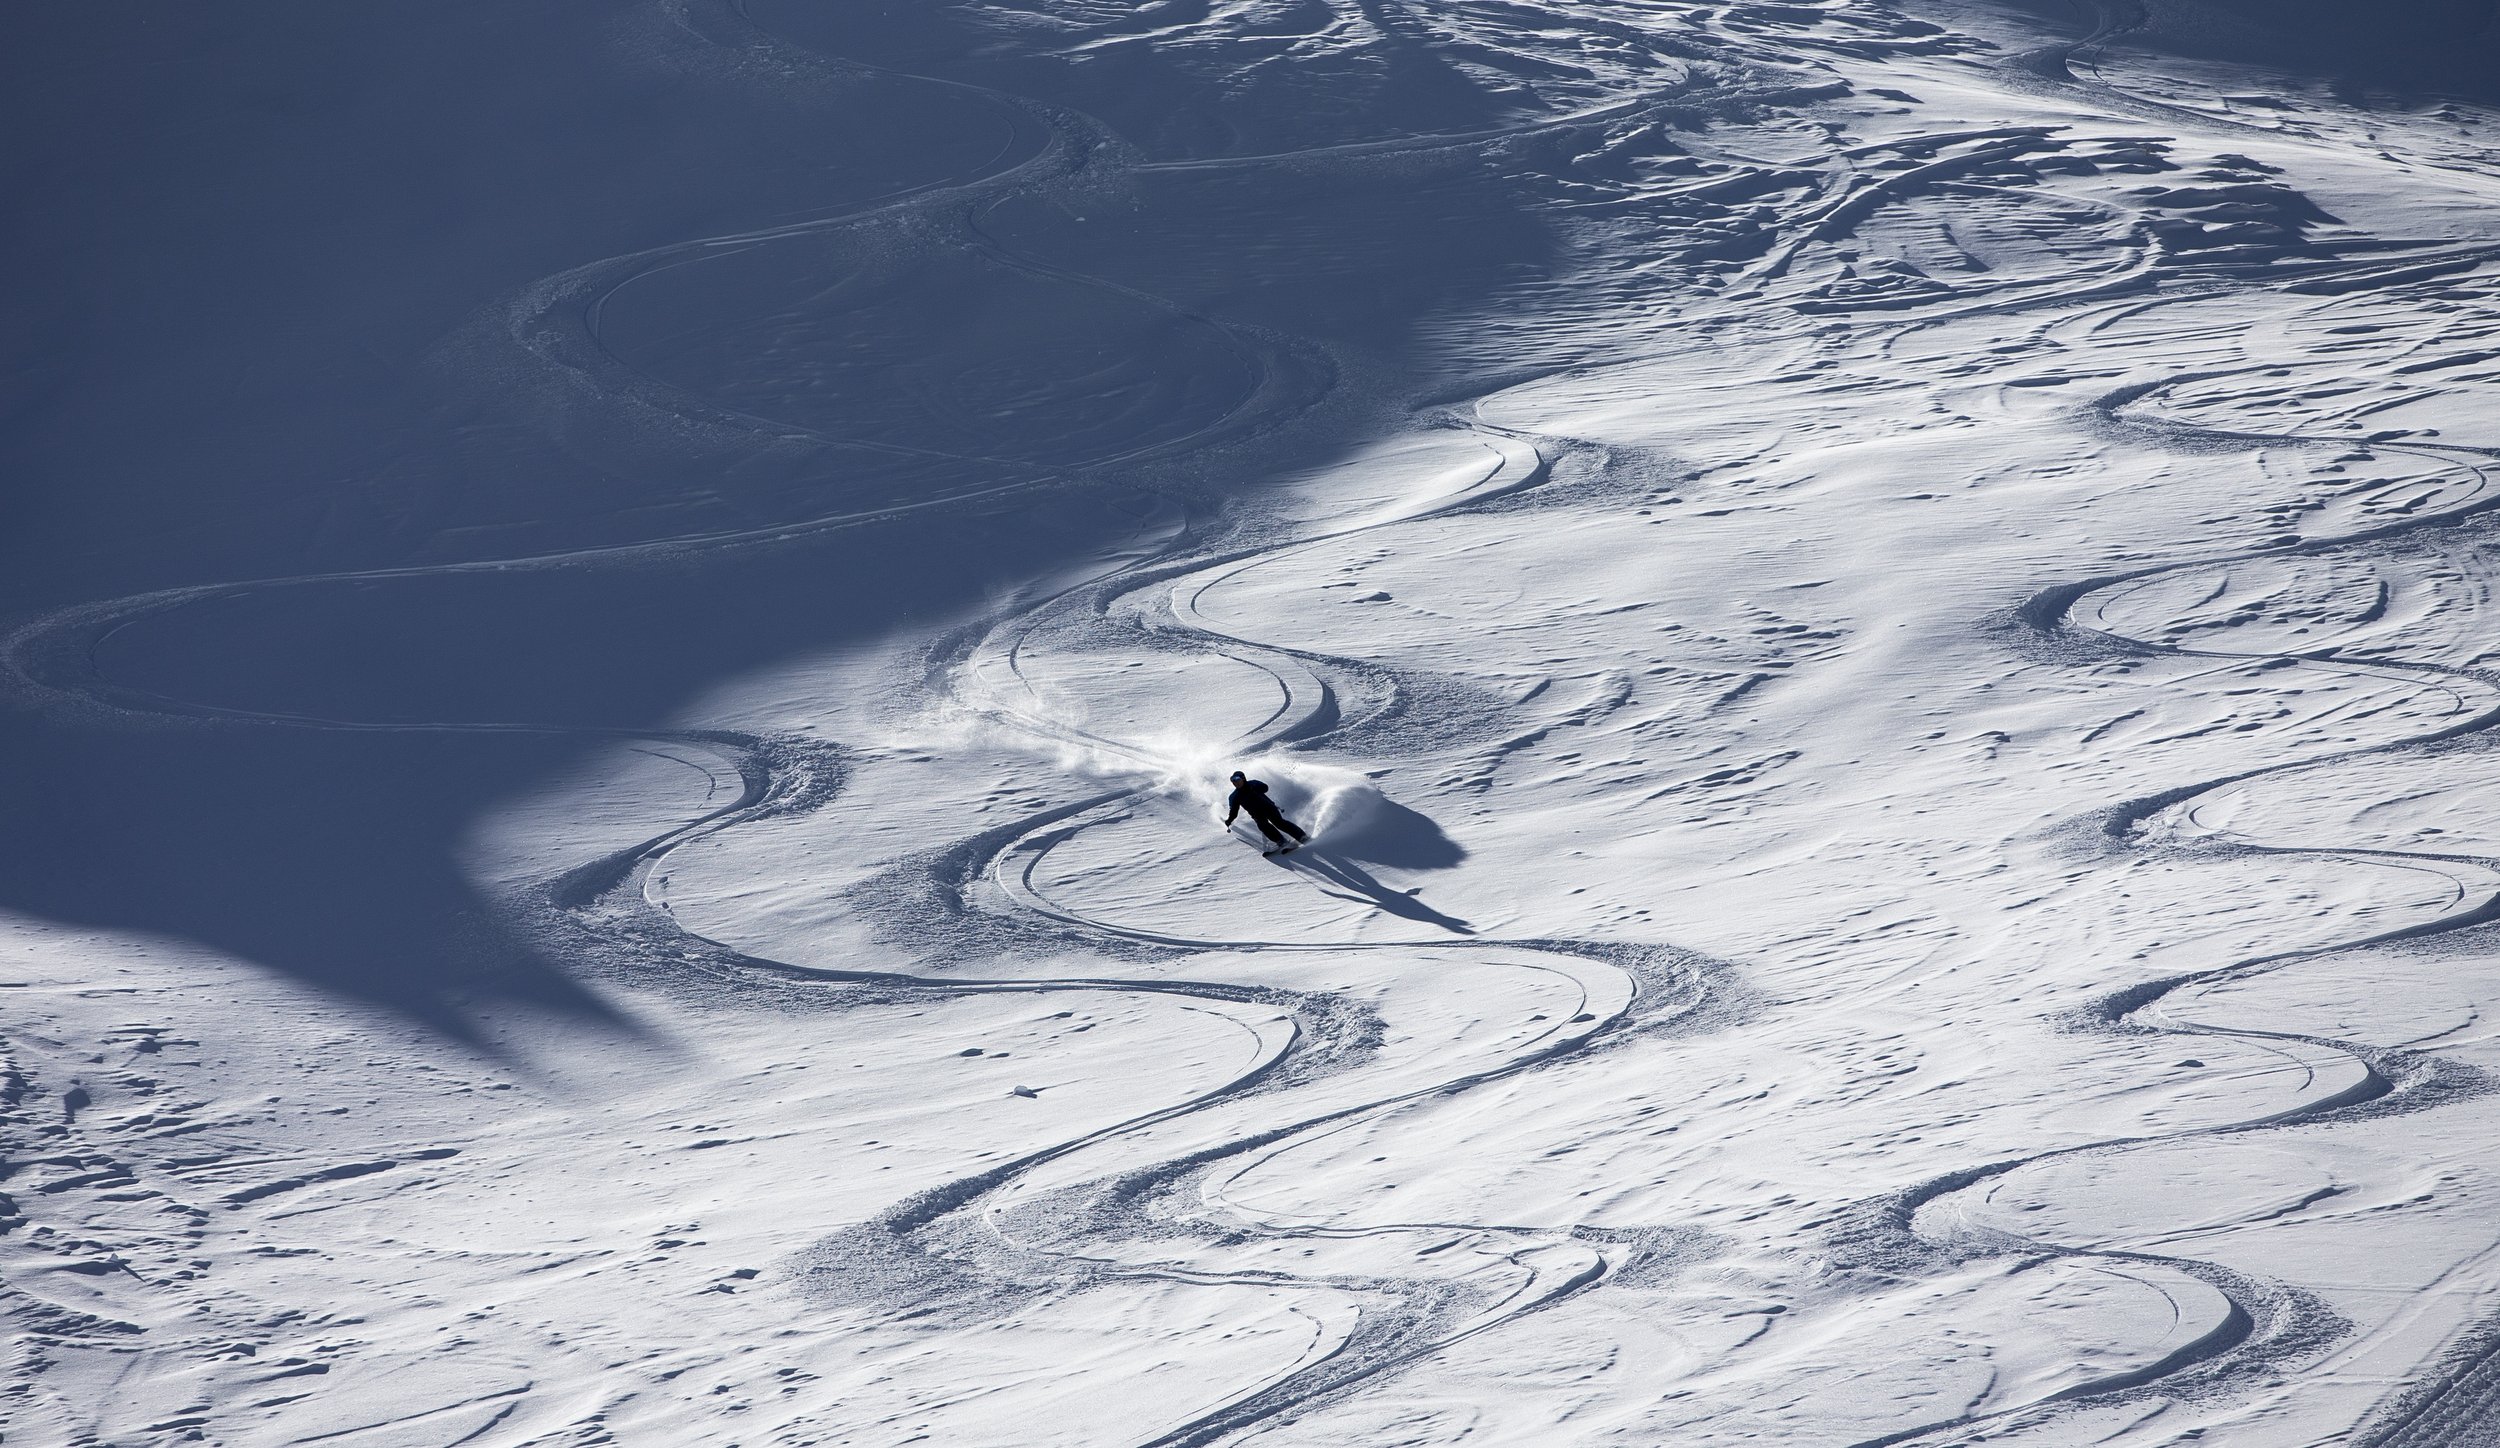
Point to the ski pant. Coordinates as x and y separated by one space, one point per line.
1276 827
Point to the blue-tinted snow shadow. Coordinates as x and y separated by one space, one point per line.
326 857
332 855
2437 47
276 335
1325 863
1378 830
1356 825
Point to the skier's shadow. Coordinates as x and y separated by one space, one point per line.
1344 873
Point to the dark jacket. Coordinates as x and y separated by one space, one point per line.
1251 795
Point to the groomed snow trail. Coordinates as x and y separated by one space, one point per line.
1894 734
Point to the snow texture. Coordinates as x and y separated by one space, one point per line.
624 625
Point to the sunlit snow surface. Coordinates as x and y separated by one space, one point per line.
1881 619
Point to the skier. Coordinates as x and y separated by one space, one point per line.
1251 794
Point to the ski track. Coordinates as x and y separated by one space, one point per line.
976 1231
53 657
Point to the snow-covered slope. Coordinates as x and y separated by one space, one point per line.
626 625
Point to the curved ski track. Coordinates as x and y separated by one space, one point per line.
599 909
967 1235
2267 1322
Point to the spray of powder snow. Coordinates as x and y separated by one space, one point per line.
1320 797
1324 799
